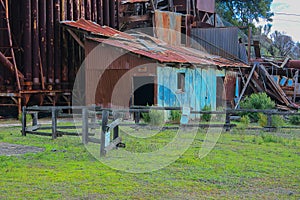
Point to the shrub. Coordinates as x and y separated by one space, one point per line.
156 117
257 101
206 117
153 117
146 117
294 119
28 118
262 120
175 116
219 117
244 123
277 121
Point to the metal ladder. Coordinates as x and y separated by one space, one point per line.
8 50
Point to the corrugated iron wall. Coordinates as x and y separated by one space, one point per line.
217 41
109 72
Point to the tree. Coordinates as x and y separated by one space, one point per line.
244 12
283 43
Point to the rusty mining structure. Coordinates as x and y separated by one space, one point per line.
43 44
39 60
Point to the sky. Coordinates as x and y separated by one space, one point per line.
287 17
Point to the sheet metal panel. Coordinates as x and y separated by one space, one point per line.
206 5
225 39
200 87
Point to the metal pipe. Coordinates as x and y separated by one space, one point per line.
82 9
70 10
50 41
88 9
43 36
57 50
106 12
112 18
35 43
94 10
27 56
76 10
63 10
99 12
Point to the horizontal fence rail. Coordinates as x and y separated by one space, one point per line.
88 116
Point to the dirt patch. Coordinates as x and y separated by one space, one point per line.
15 149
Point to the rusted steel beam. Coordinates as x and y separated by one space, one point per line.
88 9
27 56
100 12
50 41
43 36
106 12
94 10
112 16
57 46
35 43
8 65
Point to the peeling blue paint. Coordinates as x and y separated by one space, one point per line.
200 87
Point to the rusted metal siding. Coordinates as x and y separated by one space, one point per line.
217 41
109 82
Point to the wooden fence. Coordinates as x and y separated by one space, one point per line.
88 117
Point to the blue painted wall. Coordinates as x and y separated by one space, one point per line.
200 87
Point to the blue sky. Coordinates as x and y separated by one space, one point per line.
290 24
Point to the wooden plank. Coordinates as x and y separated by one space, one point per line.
113 144
105 115
32 128
114 124
296 85
245 86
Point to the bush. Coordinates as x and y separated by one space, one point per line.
28 118
244 123
146 117
262 120
154 117
294 119
277 121
175 116
206 117
259 101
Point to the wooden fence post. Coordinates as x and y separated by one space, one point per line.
54 123
35 119
105 114
116 129
227 122
23 121
85 127
137 117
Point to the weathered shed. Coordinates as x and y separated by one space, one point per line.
138 69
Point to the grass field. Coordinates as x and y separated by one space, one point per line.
247 165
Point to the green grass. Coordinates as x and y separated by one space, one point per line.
249 165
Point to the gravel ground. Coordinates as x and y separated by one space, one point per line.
15 149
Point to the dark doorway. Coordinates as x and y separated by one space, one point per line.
143 90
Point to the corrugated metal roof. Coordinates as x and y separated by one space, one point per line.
151 47
169 54
94 28
134 1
